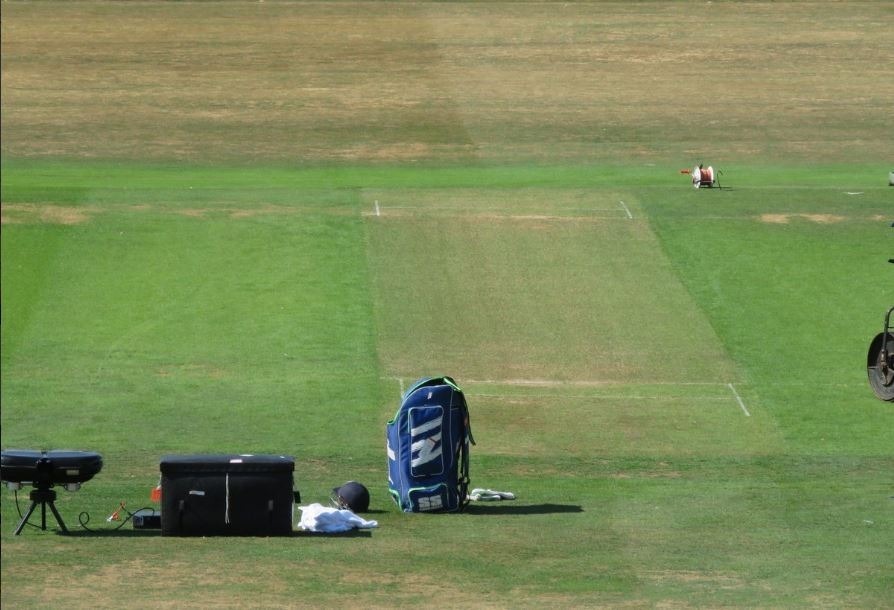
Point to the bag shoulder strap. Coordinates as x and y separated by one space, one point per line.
427 381
421 383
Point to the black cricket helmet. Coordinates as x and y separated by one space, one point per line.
352 496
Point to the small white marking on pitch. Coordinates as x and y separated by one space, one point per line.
626 209
738 399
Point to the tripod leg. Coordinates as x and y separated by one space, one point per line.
58 517
24 520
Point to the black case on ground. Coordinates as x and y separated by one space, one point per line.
227 495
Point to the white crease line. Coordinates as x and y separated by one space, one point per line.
593 214
603 397
580 383
478 210
593 383
626 209
489 216
738 399
551 383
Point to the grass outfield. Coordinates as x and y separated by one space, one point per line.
672 381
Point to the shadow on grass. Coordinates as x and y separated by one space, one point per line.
505 508
123 532
129 533
355 533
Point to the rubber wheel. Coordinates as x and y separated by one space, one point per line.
880 367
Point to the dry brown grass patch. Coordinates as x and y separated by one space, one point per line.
707 579
27 213
817 218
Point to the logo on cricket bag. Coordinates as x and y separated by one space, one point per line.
427 443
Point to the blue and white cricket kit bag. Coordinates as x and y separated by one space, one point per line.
428 448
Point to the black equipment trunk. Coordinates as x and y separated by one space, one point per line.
227 495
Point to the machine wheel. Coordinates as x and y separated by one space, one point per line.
880 366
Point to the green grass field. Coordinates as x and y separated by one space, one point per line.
245 227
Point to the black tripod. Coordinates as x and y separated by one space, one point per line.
44 495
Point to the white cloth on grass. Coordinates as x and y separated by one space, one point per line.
490 495
319 518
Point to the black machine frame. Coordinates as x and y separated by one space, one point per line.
43 470
880 361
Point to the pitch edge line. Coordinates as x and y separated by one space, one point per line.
738 399
626 209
